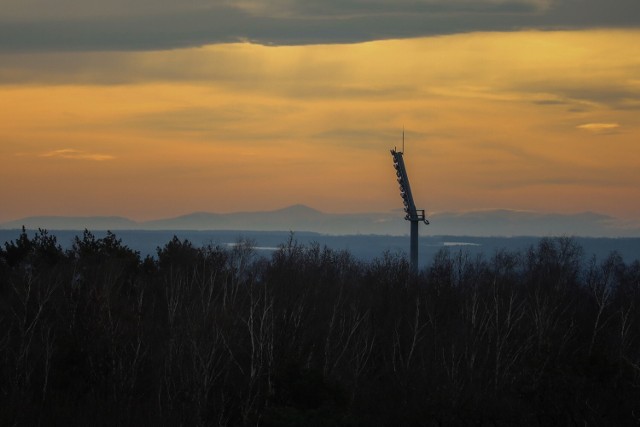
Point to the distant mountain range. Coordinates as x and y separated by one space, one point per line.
304 218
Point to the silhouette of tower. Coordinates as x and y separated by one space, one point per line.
415 216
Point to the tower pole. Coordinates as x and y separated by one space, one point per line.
414 247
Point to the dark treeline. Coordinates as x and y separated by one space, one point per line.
95 335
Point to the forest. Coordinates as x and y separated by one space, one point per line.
310 336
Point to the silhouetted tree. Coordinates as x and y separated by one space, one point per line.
312 336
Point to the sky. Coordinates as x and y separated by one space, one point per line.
154 108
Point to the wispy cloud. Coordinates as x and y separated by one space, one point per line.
70 153
600 128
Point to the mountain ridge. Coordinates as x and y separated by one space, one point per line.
299 217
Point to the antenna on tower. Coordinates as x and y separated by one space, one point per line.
402 138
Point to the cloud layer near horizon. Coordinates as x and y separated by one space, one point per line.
90 25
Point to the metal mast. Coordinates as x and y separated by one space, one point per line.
413 215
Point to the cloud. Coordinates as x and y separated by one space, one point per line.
67 25
550 102
359 8
544 68
69 153
600 128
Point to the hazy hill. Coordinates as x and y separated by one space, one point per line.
517 223
73 223
304 218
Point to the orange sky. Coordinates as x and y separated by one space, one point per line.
545 121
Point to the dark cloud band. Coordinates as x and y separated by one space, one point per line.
315 23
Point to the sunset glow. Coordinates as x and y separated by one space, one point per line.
544 121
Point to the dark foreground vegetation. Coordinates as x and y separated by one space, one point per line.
95 335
